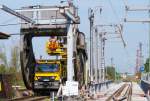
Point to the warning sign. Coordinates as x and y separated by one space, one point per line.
71 88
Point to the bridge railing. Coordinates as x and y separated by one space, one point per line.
145 76
145 83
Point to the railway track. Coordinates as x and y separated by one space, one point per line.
124 93
23 90
30 98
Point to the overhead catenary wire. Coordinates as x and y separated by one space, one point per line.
114 11
128 57
11 24
8 20
13 34
117 18
125 2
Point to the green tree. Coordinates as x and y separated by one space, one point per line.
3 60
15 60
146 65
110 73
15 65
2 69
3 55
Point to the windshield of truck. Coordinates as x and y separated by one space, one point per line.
47 67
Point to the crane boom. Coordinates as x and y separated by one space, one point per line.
8 10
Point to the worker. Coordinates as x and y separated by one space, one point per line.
53 43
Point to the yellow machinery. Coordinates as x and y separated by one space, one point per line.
48 69
50 73
66 44
55 48
46 21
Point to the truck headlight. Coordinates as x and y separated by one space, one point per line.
36 84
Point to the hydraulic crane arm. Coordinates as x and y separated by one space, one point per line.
8 10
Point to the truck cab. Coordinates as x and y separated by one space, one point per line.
47 74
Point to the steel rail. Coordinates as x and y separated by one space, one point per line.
116 93
30 98
116 96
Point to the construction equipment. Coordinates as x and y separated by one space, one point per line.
72 48
48 74
51 21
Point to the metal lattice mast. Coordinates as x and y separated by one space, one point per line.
137 62
102 55
99 58
95 44
139 58
91 18
140 55
101 45
112 64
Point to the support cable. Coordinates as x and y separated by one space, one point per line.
8 20
125 2
12 24
117 17
114 11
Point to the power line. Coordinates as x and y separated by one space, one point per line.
114 11
8 20
125 2
128 56
8 24
16 34
120 27
11 24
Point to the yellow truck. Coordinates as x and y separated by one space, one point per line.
48 74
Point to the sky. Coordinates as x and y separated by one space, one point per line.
113 12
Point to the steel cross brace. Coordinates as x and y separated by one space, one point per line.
8 10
